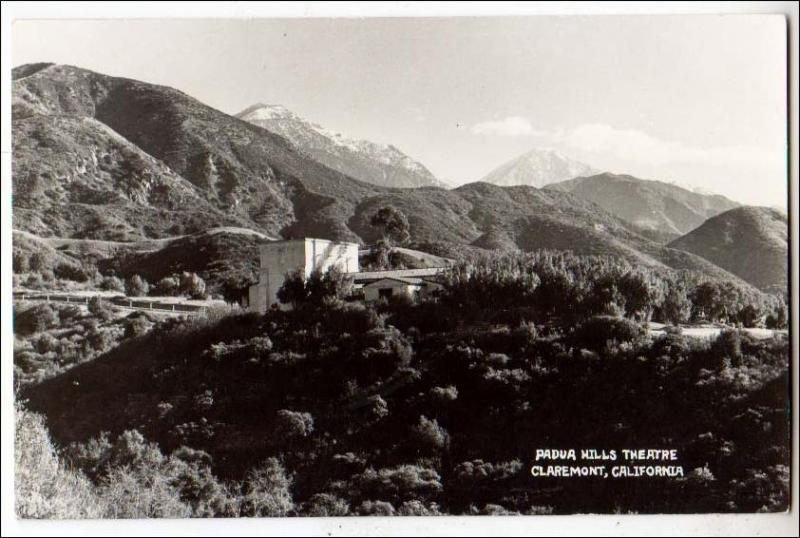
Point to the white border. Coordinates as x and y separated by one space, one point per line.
719 525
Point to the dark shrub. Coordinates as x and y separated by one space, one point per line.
429 436
70 272
327 505
37 318
34 281
69 312
136 286
193 286
45 343
293 424
101 308
728 344
596 331
136 326
169 286
441 395
376 508
19 262
353 318
396 484
416 508
316 290
37 262
112 283
778 318
750 316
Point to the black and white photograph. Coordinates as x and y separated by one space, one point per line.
290 267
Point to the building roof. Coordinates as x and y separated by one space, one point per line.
400 280
398 273
304 239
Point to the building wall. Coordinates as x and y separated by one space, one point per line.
372 292
321 254
282 257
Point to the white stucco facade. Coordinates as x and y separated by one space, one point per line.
279 258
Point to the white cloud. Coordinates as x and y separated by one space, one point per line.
631 145
510 126
638 146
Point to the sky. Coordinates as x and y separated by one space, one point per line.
695 100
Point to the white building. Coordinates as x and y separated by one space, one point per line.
413 283
280 258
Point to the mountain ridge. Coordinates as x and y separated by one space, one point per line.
537 168
381 164
649 204
749 241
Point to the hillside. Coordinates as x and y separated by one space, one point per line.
412 405
380 164
75 177
750 242
523 218
227 261
250 175
537 168
650 205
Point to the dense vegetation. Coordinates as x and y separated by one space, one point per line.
50 339
222 263
335 408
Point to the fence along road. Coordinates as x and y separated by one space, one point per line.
117 300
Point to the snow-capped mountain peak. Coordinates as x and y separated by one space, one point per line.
537 168
380 164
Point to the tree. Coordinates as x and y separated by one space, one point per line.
750 315
266 491
706 298
136 326
38 318
331 285
676 307
779 316
193 286
100 308
293 424
429 435
169 286
327 505
19 262
112 283
604 296
37 262
293 291
316 290
394 229
640 295
136 286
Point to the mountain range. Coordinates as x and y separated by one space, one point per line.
380 164
537 168
750 242
651 205
108 158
